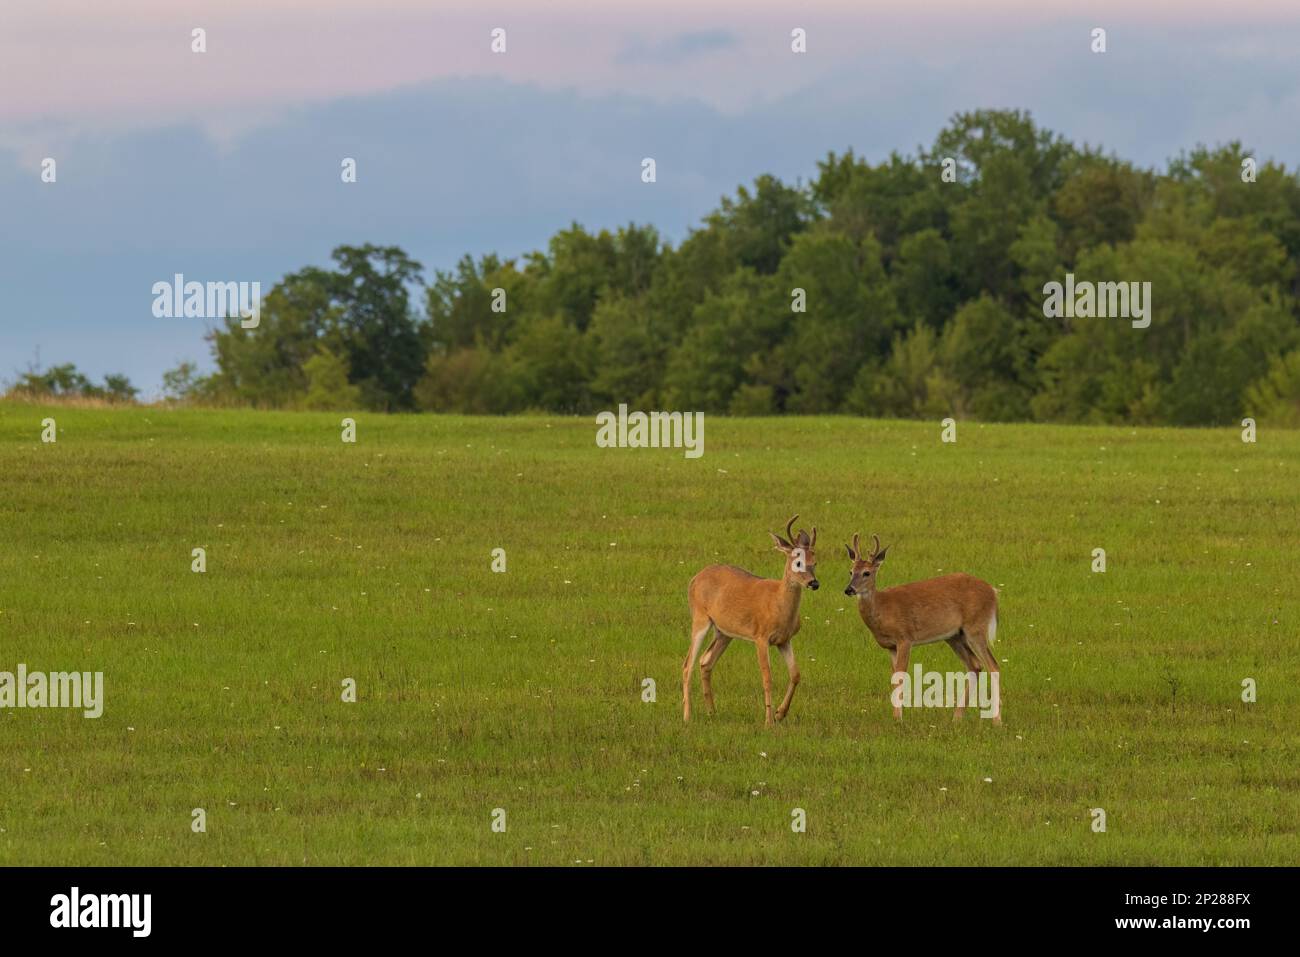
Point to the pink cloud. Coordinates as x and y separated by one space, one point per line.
87 61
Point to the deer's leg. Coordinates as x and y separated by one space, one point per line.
707 662
787 654
902 651
765 666
978 639
700 625
963 651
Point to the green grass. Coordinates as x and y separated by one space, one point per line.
522 690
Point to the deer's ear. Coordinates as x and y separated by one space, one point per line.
880 556
849 549
779 543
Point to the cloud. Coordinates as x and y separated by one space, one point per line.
675 49
477 164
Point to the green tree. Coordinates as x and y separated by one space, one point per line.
263 367
982 354
118 388
729 327
369 296
552 365
1275 398
60 380
630 352
66 381
459 305
184 384
758 226
924 282
910 384
327 383
850 317
471 381
1101 201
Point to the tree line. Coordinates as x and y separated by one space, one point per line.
912 287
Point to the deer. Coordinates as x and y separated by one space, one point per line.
735 603
959 609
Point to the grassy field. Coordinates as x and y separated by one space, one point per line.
523 691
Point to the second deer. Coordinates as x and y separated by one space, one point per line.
958 609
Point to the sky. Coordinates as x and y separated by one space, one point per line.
225 165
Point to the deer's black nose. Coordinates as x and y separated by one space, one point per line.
848 590
814 584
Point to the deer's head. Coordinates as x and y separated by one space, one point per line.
863 578
800 555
